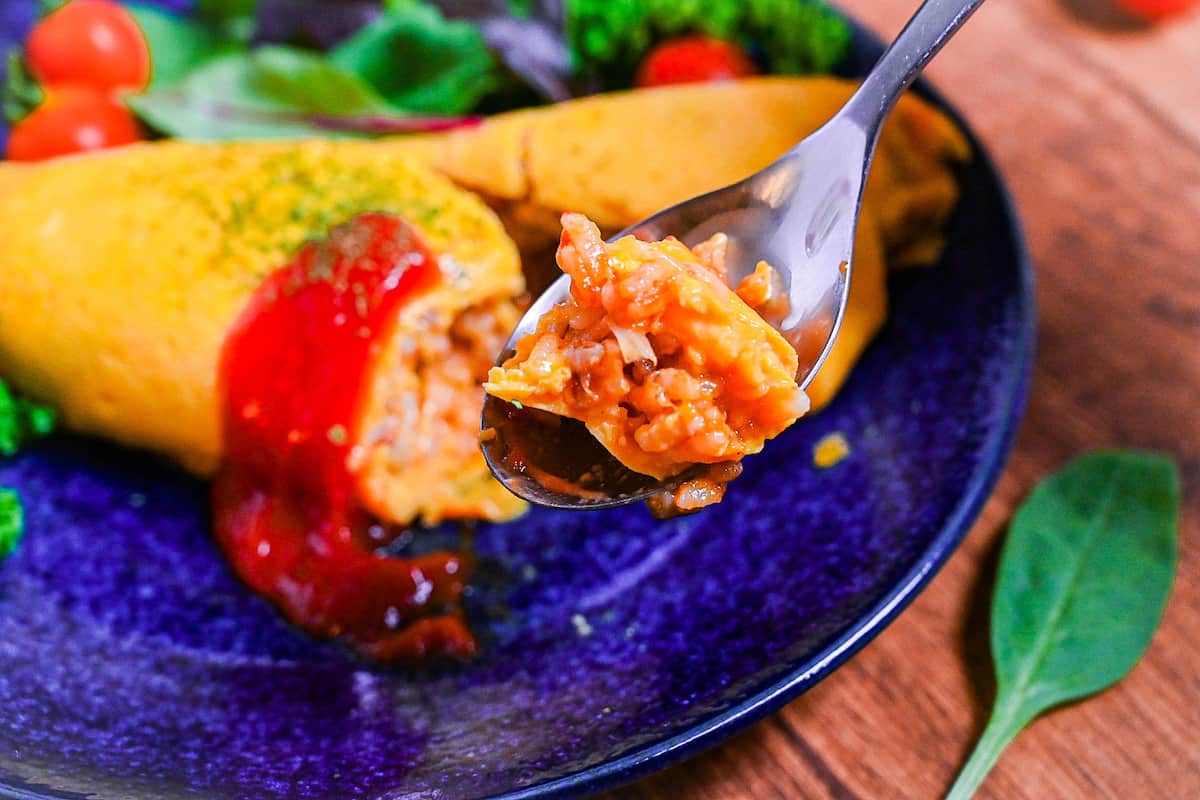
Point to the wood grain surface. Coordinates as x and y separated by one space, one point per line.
1095 122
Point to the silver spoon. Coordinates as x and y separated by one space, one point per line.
799 214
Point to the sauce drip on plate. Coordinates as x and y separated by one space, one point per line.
294 370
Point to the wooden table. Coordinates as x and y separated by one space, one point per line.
1096 125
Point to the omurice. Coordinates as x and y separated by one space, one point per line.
310 323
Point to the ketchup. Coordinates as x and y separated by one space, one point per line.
294 372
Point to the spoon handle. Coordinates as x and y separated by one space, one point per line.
933 24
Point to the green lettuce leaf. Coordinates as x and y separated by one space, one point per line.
420 61
177 44
268 94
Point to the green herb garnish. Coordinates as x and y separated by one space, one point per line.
1083 580
337 434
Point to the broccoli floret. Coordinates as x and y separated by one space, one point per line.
21 420
609 37
12 521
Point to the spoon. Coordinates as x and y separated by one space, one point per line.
799 214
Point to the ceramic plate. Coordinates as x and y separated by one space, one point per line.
134 666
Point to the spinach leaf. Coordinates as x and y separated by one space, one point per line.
276 93
12 522
420 61
225 9
234 18
177 45
264 94
307 81
1083 580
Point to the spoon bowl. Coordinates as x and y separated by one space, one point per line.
799 214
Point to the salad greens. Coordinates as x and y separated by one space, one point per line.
420 61
225 9
20 421
1083 580
309 82
792 36
317 24
275 92
179 45
234 18
389 77
219 75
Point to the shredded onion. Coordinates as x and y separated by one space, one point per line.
634 345
801 403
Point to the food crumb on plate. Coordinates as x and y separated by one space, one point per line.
830 450
582 626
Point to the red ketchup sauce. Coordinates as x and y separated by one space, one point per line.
294 374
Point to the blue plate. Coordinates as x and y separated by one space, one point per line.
133 665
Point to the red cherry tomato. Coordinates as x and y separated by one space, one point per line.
1155 10
72 120
694 59
89 43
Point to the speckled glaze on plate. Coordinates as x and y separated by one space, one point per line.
133 665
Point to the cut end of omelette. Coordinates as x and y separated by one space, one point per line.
350 395
666 364
417 453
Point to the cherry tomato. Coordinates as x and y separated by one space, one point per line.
72 120
1155 10
694 59
89 43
